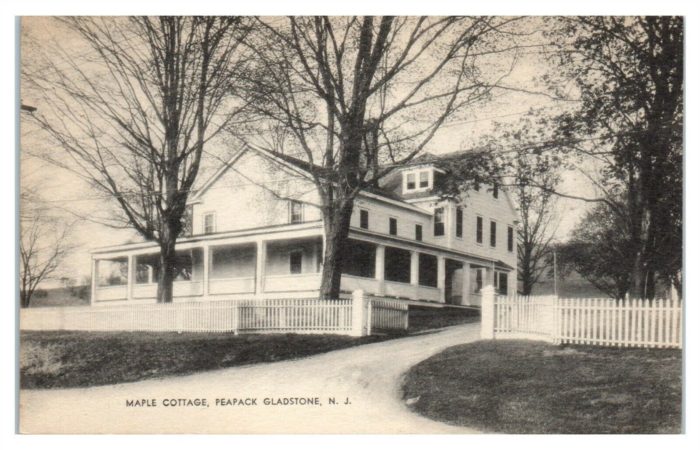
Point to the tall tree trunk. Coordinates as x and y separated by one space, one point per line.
25 298
166 275
336 222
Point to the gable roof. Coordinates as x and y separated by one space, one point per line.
294 163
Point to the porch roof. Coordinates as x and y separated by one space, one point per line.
262 231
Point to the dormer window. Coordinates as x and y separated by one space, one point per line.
424 179
417 180
410 181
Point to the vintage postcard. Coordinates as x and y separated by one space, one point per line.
351 225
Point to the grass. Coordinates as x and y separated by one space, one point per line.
422 318
60 359
529 387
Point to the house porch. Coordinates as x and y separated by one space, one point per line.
287 265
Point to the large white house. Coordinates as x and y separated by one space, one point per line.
257 232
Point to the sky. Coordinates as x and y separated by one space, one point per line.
69 195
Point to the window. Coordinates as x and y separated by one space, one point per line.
392 226
358 258
460 222
493 233
479 230
419 232
187 222
510 239
495 190
397 265
427 270
364 219
479 281
209 223
424 179
147 268
295 257
439 222
296 212
503 283
410 181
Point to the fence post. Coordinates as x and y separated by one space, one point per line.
488 306
359 313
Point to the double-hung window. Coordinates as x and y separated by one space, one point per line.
392 226
459 222
410 181
296 212
479 230
209 223
364 219
510 239
439 222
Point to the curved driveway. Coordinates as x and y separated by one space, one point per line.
368 375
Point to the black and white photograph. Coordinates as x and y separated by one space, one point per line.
334 224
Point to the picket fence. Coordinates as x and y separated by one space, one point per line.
355 316
589 321
387 314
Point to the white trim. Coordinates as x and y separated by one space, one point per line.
401 204
232 237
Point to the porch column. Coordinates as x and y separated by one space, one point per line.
415 263
488 277
261 251
130 271
466 284
93 285
441 277
206 260
379 268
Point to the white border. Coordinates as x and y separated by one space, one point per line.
11 8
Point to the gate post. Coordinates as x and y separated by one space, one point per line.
359 313
488 316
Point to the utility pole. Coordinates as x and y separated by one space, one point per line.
556 292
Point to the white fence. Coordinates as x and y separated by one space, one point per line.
629 323
387 314
356 316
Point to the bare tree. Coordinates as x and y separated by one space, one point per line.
355 96
134 113
43 245
535 233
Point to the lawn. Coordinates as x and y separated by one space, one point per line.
529 387
422 318
57 359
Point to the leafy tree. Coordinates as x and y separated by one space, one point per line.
629 74
601 250
134 113
353 96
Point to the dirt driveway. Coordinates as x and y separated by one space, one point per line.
364 381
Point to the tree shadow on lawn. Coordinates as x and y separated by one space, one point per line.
529 387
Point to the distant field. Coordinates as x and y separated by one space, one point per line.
60 297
